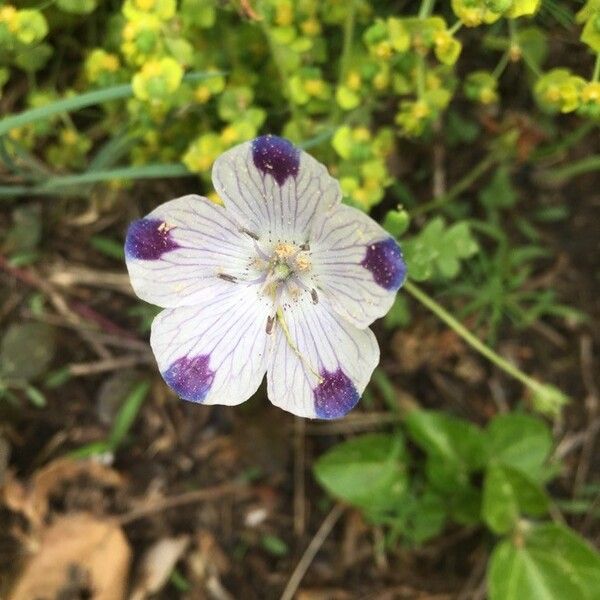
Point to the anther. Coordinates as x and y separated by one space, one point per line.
305 247
270 322
247 232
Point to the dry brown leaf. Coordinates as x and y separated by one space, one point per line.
156 565
77 551
32 500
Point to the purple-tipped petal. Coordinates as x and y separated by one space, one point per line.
176 256
384 260
276 157
190 378
215 353
148 239
324 365
274 189
335 396
357 265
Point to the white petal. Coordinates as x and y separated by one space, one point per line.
324 366
273 188
358 266
175 254
215 353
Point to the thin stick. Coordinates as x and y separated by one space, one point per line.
110 364
299 478
311 551
212 493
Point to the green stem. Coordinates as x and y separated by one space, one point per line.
531 64
596 74
473 341
81 101
426 8
464 184
501 65
588 164
456 27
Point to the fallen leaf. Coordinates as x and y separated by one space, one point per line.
32 499
77 551
157 564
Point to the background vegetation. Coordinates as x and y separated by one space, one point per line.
469 129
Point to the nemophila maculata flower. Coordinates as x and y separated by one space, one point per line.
282 280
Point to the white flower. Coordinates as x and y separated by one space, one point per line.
283 280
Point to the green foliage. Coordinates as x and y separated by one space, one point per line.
508 494
366 471
121 426
510 458
438 250
544 561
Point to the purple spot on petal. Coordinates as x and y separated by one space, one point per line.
384 260
335 395
149 239
274 155
190 378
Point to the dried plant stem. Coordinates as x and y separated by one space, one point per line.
311 551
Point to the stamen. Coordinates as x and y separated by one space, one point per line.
248 232
227 277
270 323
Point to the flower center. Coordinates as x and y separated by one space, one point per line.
283 271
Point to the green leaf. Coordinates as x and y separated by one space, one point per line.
455 448
499 192
548 562
33 59
446 437
127 414
72 184
108 246
80 101
367 471
521 442
418 518
439 250
37 398
591 32
534 44
26 350
274 545
508 495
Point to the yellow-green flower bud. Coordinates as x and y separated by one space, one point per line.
158 79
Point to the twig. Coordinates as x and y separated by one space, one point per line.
311 551
110 364
592 400
353 423
299 481
213 493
